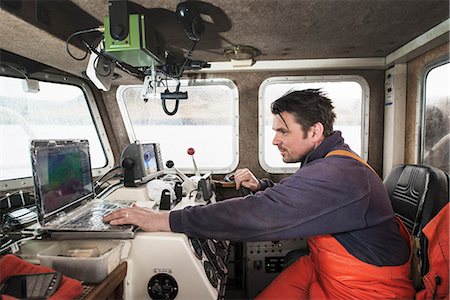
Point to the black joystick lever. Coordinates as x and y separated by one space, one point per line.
169 164
128 172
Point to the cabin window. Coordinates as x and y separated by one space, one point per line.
45 110
436 118
350 96
207 121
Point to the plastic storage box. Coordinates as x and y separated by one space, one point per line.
90 261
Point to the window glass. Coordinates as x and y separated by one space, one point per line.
436 127
206 121
348 97
55 111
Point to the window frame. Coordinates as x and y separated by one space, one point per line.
25 182
421 108
193 82
305 79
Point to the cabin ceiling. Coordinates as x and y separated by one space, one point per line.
281 30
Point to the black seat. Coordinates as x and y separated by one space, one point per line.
417 194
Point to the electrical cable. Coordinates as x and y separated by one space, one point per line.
92 49
190 194
110 69
177 101
117 184
188 57
96 182
106 181
8 195
176 77
126 69
181 70
99 54
15 245
174 111
104 175
98 185
6 245
98 29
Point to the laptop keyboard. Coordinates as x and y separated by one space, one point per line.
93 218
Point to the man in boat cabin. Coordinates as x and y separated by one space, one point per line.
358 249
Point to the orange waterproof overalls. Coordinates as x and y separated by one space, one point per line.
330 272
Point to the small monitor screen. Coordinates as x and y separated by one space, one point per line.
146 162
150 159
62 175
205 186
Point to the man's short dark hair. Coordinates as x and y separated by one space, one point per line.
309 107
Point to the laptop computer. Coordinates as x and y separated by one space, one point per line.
64 191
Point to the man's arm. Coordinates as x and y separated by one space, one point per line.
245 178
302 205
266 183
149 220
314 201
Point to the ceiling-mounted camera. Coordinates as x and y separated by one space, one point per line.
189 16
129 44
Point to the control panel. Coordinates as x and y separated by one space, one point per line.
213 254
167 265
170 265
265 261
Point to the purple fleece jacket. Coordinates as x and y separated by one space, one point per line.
335 195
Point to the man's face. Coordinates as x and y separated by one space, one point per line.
290 138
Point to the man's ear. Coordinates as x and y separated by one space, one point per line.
317 132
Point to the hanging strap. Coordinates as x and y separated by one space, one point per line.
350 154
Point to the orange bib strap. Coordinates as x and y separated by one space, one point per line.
350 154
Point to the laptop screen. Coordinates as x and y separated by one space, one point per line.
62 175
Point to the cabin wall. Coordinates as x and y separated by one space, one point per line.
248 85
117 124
414 94
101 100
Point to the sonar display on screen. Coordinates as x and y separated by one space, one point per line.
64 176
150 159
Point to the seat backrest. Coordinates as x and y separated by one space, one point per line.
417 194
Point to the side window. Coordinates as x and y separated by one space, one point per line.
349 94
51 111
435 141
207 121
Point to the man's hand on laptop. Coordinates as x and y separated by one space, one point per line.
145 218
